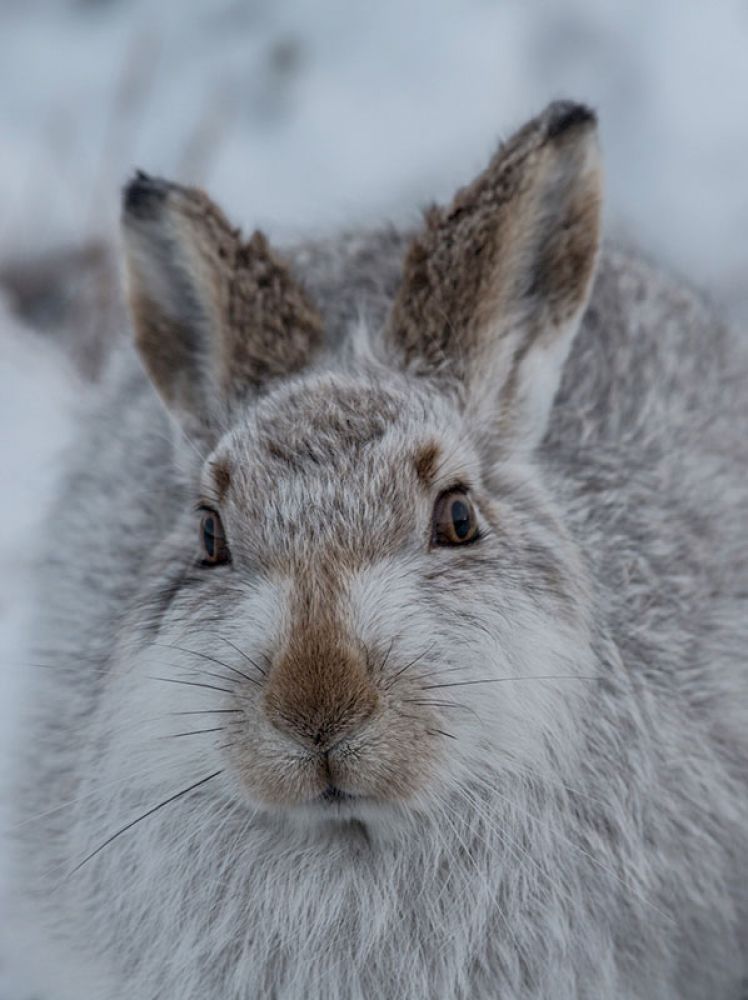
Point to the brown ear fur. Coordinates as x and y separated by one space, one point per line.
213 315
515 250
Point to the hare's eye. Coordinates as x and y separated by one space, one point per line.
213 543
455 521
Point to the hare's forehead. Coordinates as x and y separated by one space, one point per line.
326 420
342 442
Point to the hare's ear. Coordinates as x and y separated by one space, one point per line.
214 317
494 286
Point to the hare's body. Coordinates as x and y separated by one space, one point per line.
600 853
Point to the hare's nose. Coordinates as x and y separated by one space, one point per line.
320 700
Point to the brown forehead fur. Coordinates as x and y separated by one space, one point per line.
221 470
427 462
467 266
324 424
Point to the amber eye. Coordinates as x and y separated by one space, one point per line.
213 543
455 522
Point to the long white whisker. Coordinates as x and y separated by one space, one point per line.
128 826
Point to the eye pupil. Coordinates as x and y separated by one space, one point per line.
454 519
461 521
215 550
209 537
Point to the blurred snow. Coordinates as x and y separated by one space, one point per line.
315 113
311 114
37 397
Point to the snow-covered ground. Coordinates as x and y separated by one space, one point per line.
311 114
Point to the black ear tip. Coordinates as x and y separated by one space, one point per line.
144 195
563 116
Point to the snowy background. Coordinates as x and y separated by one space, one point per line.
302 116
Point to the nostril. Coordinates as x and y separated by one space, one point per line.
322 736
327 735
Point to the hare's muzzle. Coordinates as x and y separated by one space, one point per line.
319 693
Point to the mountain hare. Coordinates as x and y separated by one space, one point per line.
395 627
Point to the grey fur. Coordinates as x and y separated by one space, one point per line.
606 859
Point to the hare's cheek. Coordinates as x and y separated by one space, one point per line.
130 738
540 678
180 704
383 603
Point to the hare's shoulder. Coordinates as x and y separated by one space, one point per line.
653 362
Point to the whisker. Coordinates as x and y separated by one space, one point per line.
243 654
62 665
441 732
194 732
196 684
407 666
150 812
211 711
500 680
198 672
437 673
211 659
68 803
387 656
436 704
432 703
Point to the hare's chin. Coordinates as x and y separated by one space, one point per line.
334 801
342 812
336 804
333 806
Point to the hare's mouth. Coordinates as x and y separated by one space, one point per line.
335 811
334 794
334 803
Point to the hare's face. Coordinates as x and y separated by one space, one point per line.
374 600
